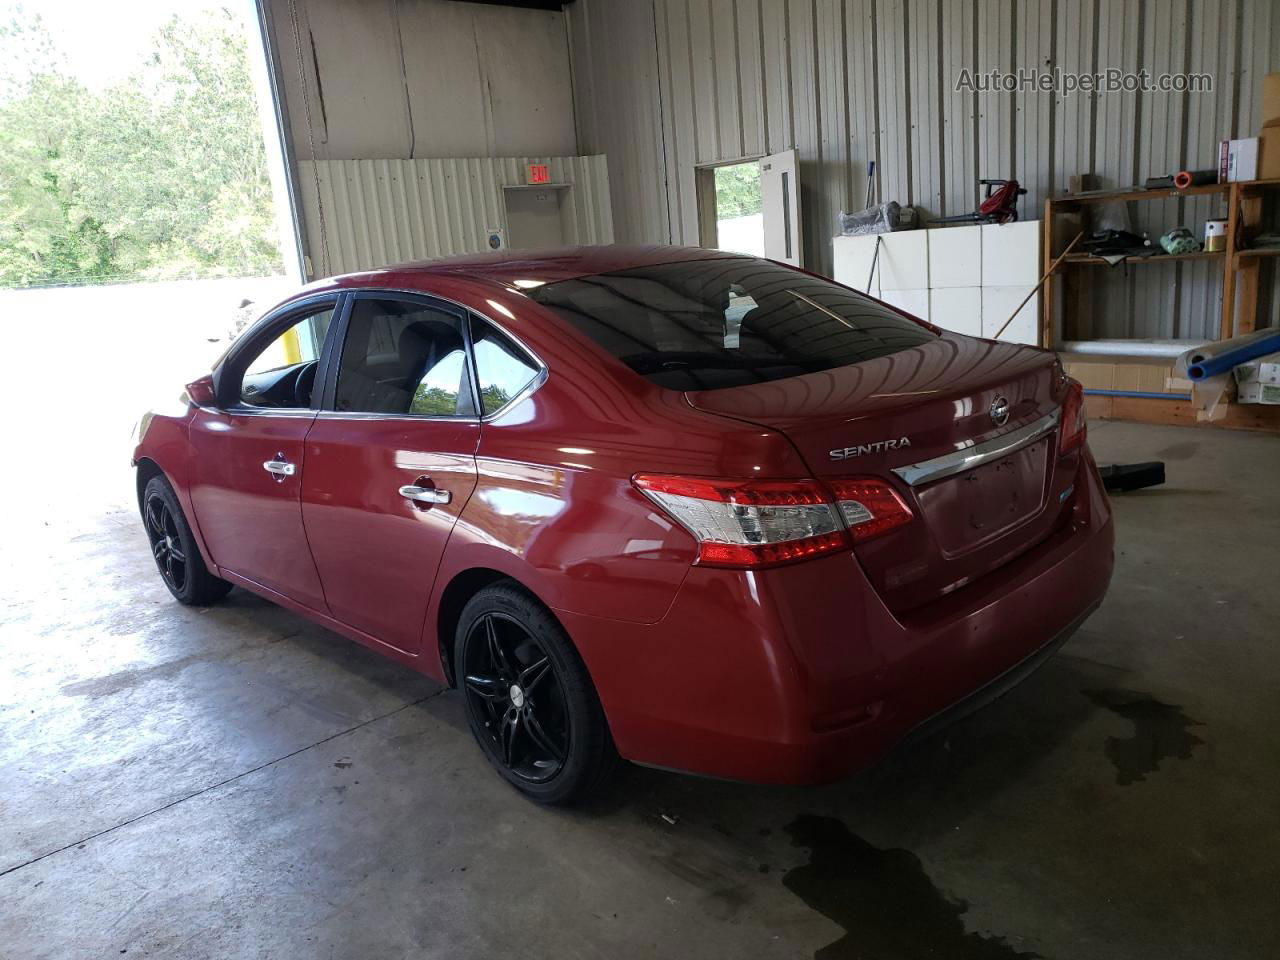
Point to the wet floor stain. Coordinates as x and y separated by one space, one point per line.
1161 731
886 903
1179 451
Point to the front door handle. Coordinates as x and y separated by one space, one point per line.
425 494
280 467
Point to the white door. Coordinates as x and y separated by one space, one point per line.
780 200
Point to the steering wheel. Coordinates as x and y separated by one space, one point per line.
305 382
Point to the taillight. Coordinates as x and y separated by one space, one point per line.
870 507
1074 426
745 523
758 523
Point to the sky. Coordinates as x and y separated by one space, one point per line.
105 40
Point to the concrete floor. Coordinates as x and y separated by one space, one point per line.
234 782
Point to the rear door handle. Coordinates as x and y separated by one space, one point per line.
425 494
280 467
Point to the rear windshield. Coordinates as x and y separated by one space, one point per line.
708 324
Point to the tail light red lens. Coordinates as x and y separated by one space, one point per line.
1074 425
746 523
869 507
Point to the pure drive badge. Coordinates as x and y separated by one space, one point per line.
880 446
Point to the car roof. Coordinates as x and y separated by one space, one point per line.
547 266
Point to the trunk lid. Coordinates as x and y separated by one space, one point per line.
931 401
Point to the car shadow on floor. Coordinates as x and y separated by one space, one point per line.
960 767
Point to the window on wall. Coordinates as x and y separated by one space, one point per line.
403 357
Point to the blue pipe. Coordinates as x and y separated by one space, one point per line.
1224 361
1137 393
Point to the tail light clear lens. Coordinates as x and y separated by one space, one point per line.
746 523
1074 425
870 507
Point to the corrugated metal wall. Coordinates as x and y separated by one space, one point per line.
427 78
360 214
662 86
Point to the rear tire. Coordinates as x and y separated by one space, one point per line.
530 702
174 548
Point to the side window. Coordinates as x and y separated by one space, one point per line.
502 368
283 373
402 357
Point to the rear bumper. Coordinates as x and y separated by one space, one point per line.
800 674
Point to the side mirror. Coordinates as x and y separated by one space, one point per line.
201 392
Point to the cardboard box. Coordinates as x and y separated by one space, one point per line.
1271 100
1269 153
1262 370
1144 375
1238 160
1258 393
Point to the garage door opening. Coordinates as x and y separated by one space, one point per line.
138 208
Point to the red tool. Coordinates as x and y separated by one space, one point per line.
997 206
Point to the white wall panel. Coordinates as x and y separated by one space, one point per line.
846 81
361 214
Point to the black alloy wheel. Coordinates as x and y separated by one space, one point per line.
512 688
174 549
530 702
166 544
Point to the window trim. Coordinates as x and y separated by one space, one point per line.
228 374
329 396
536 381
339 327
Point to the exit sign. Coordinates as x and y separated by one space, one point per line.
537 173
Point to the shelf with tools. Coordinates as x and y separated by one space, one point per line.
1240 264
1089 260
1137 385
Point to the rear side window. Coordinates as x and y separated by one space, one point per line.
403 357
502 368
708 324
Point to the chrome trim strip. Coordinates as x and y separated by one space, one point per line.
949 464
243 410
399 417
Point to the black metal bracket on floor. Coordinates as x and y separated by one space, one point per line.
1122 477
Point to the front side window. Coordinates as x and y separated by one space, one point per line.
402 357
282 374
503 369
708 324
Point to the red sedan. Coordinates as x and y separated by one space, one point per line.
696 510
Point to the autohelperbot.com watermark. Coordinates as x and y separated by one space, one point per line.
1065 83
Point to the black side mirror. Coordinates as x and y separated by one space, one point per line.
201 391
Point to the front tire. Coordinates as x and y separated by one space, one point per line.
174 548
531 704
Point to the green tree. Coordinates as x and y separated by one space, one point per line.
738 190
162 175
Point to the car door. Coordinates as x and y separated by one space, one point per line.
390 461
249 452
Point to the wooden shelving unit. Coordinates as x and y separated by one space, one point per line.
1086 260
1240 265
